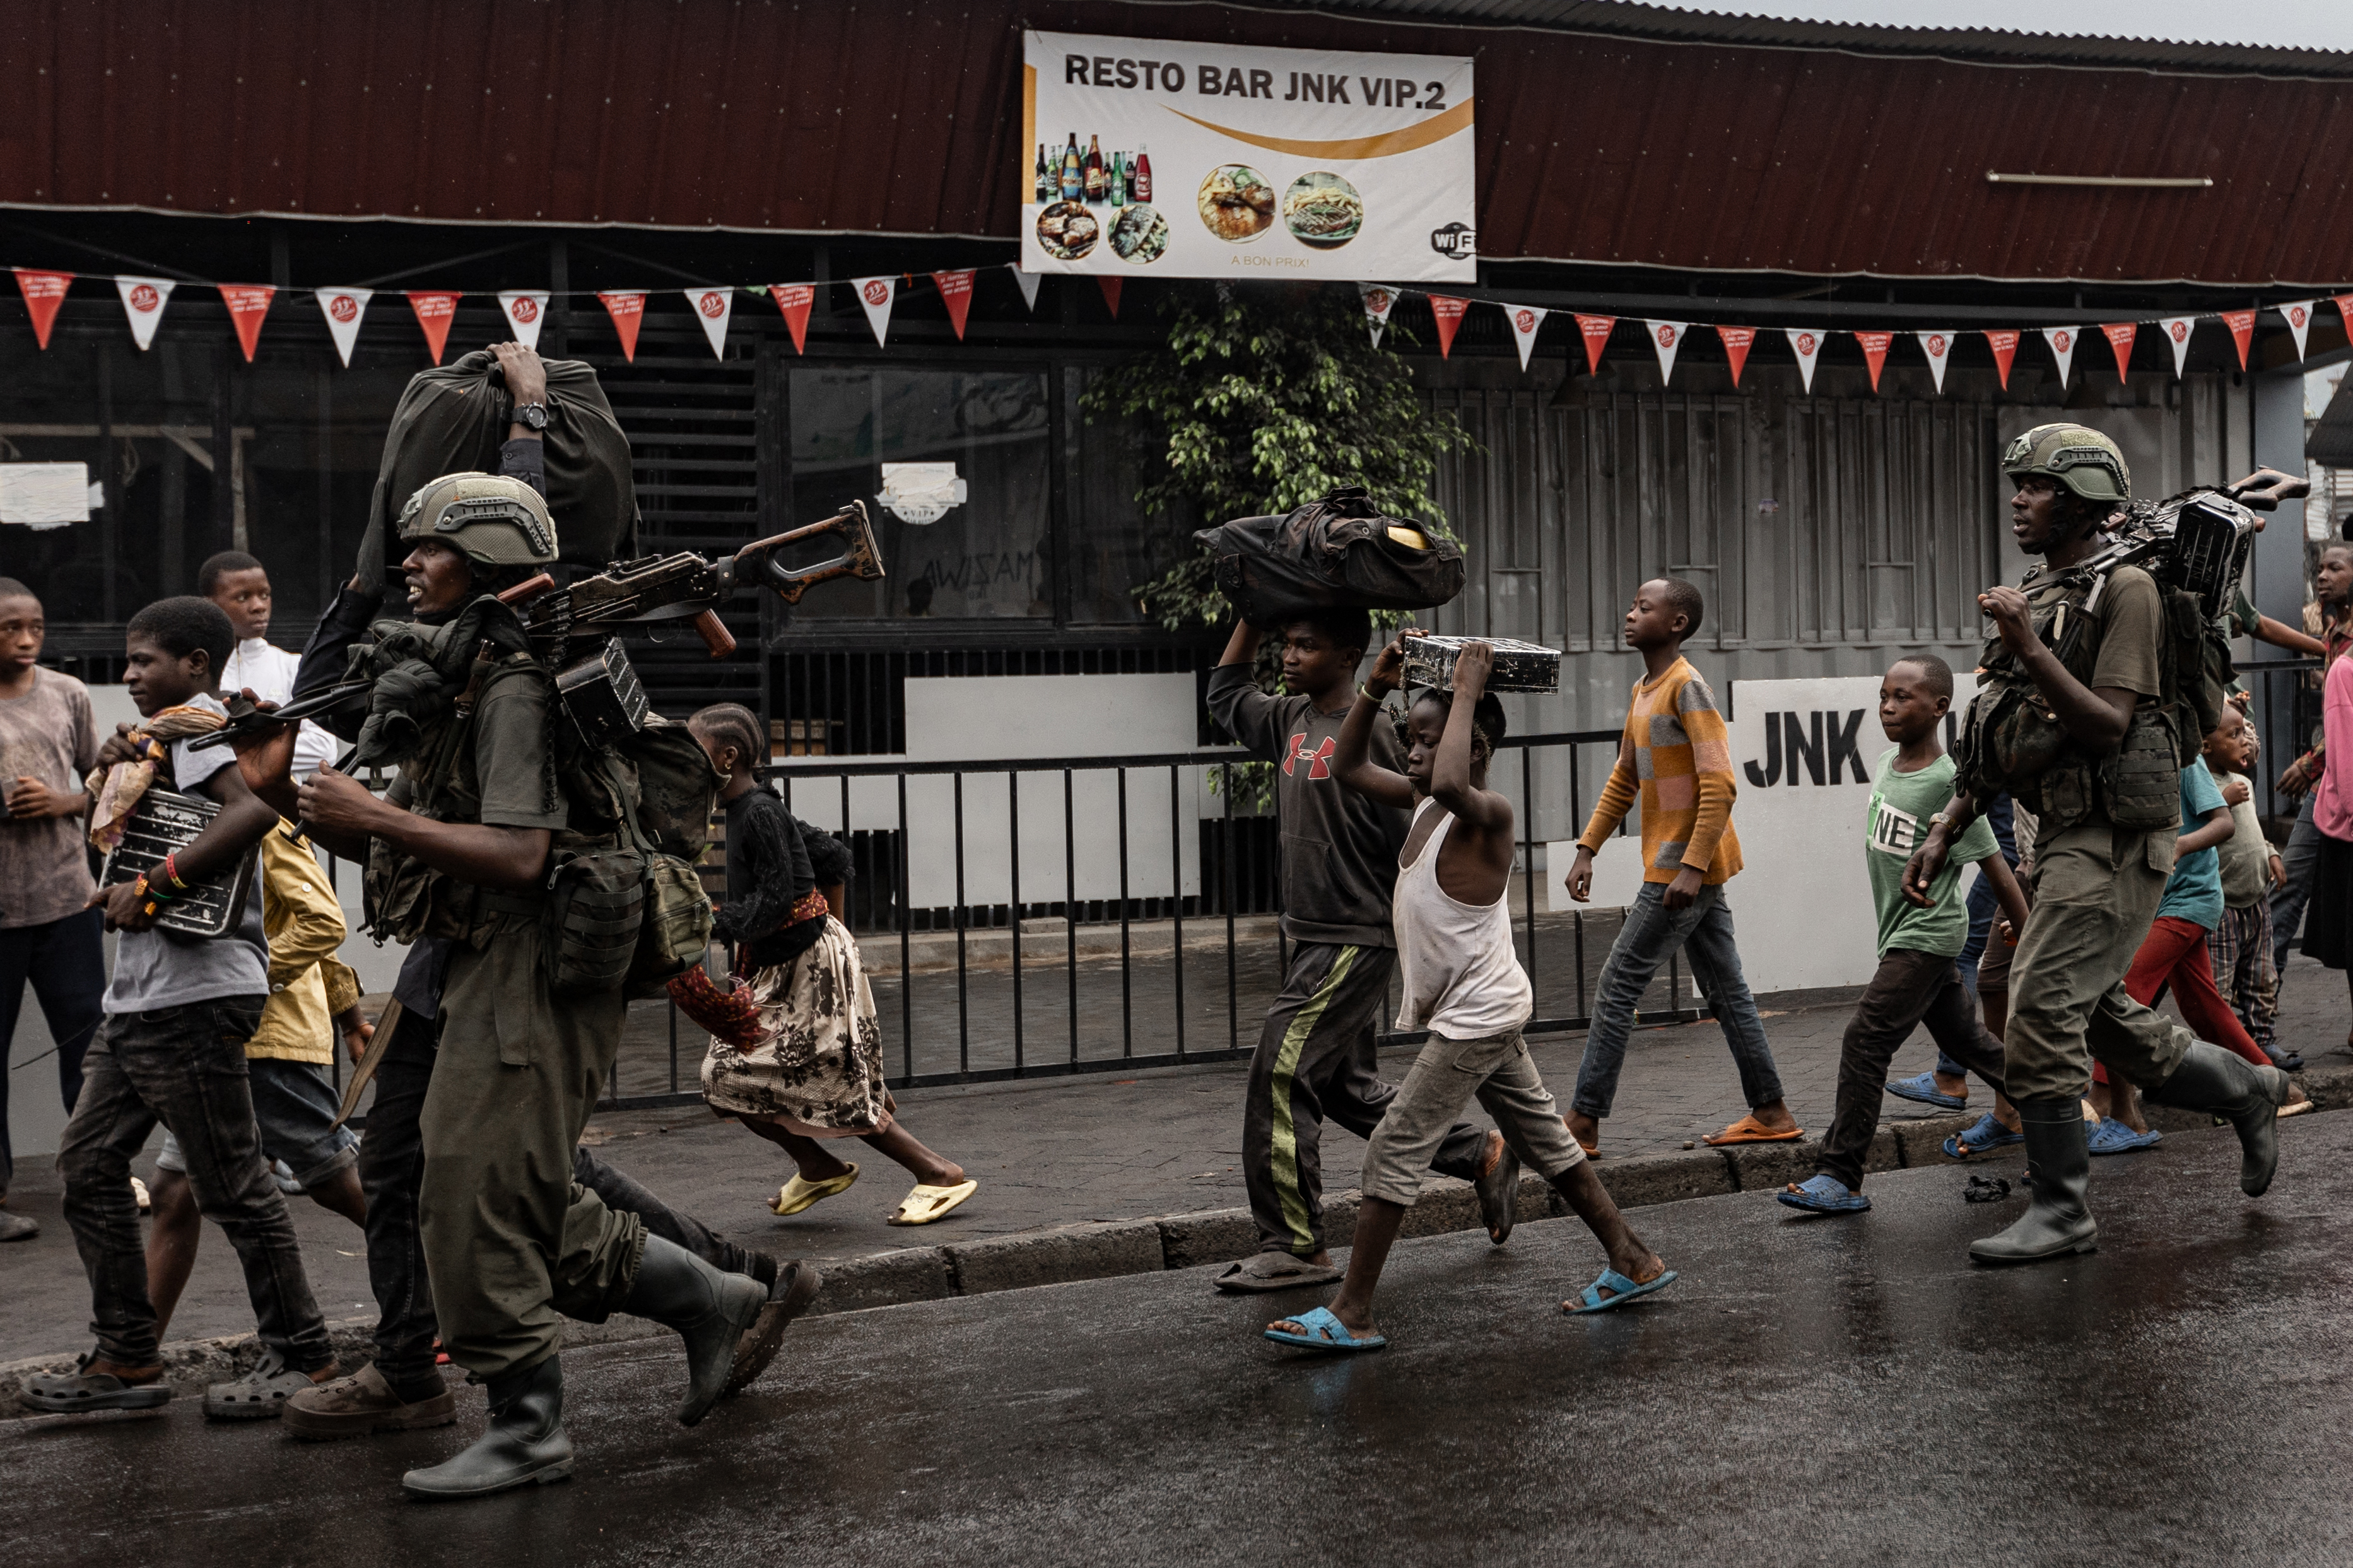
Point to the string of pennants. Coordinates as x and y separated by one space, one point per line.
1667 338
144 300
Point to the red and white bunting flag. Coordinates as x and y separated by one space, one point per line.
1448 313
1379 301
955 294
435 311
526 311
876 294
2120 335
1109 291
1666 337
2005 348
2299 320
343 308
628 308
712 308
44 292
2242 330
1595 330
1737 341
1526 322
1807 345
794 300
247 303
143 301
2345 311
2062 348
1029 281
2177 330
1939 347
1874 353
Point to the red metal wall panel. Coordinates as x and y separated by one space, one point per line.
833 115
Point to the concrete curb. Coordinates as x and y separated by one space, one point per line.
1068 1253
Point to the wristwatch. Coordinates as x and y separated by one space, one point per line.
533 415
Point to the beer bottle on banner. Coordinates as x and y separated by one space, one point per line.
1139 184
1073 175
1094 171
1118 180
1045 180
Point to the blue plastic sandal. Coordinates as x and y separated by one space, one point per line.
1324 1332
2113 1137
1823 1194
1625 1289
1924 1090
1986 1134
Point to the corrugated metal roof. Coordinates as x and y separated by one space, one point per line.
832 116
2001 46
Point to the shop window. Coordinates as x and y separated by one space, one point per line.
988 554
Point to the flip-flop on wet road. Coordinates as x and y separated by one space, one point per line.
1840 1389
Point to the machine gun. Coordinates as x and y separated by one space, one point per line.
2197 541
685 585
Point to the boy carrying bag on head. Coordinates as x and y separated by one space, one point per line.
1918 981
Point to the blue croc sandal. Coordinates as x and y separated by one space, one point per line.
1823 1194
1924 1090
1324 1332
2113 1137
1594 1301
1986 1134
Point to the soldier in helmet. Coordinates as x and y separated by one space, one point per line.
2077 714
459 852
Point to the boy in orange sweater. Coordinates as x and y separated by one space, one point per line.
1676 758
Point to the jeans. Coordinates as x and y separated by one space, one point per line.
2295 885
294 1106
1983 906
184 1067
66 962
1650 935
1908 990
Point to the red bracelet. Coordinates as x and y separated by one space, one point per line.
171 870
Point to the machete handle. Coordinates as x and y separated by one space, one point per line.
715 635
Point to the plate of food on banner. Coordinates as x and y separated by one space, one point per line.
1068 231
1236 203
1322 210
1139 234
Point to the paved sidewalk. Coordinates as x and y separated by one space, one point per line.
1047 1152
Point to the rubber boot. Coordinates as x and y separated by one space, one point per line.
525 1441
708 1309
2058 1222
2212 1080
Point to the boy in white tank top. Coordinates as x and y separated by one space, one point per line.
1465 985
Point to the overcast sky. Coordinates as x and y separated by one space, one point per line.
2299 24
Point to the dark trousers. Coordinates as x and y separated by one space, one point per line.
1983 906
185 1067
1909 989
392 1171
64 962
1316 1059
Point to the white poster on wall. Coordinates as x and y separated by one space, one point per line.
1231 160
1803 753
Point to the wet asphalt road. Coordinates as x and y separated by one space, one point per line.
1840 1390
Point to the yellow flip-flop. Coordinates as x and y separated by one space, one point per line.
798 1195
926 1204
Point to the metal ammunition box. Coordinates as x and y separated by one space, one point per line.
604 695
1519 666
166 821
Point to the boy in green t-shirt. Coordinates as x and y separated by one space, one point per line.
1917 982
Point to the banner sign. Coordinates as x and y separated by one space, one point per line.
1231 160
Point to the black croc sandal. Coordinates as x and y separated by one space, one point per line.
68 1393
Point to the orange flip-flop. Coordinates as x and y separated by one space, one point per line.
1749 1130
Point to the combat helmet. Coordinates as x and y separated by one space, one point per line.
495 521
2075 455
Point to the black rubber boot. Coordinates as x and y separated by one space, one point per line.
709 1310
2212 1080
525 1441
2058 1222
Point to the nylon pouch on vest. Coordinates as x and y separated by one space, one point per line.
2140 786
595 912
2010 742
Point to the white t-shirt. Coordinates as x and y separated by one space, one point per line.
269 672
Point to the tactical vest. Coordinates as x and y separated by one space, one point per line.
2011 741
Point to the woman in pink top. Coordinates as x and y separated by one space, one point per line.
2328 919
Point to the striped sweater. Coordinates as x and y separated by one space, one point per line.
1675 758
